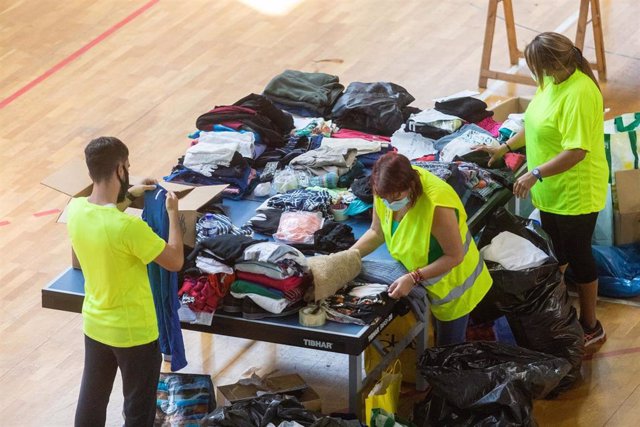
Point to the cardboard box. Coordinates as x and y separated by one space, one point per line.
627 215
292 385
73 180
502 109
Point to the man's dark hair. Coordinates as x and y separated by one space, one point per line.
103 155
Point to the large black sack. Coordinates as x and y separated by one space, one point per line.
372 107
509 291
261 411
535 300
485 384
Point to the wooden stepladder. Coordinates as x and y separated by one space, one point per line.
487 73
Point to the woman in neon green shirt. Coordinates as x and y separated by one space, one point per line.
568 171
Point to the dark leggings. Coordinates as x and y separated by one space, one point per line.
571 237
451 332
140 368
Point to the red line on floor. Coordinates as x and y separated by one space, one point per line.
75 55
49 212
4 223
612 353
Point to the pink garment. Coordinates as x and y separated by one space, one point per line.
350 133
284 285
514 160
490 126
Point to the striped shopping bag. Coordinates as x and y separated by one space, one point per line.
621 143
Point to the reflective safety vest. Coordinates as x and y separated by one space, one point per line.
456 292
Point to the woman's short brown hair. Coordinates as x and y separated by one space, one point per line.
392 174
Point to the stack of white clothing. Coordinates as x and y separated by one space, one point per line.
216 149
434 118
326 159
465 143
513 252
246 141
362 146
206 157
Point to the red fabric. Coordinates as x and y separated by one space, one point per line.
206 290
490 126
350 133
514 160
283 285
232 125
427 158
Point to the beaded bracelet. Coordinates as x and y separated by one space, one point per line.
415 276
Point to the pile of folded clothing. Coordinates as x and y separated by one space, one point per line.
209 274
271 279
253 113
239 176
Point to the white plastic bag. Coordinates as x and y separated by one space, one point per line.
284 180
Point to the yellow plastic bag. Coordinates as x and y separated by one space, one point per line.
386 392
388 338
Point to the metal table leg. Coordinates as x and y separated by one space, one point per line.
355 383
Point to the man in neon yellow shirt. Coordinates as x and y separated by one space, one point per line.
568 171
119 317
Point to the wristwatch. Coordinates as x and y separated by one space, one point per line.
536 172
130 196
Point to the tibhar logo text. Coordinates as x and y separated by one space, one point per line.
318 344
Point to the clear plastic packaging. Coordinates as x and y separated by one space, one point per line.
284 180
298 227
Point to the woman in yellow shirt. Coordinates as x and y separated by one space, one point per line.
568 171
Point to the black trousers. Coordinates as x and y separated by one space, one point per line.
571 237
140 368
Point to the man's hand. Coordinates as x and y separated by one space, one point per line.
401 287
148 184
171 202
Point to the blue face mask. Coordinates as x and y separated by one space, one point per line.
397 205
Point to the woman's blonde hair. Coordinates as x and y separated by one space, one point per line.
553 54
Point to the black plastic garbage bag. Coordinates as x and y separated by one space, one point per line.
485 384
260 412
509 291
372 107
618 270
535 300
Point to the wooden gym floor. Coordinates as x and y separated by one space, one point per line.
144 70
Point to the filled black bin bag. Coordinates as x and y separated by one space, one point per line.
260 411
509 290
535 301
485 384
